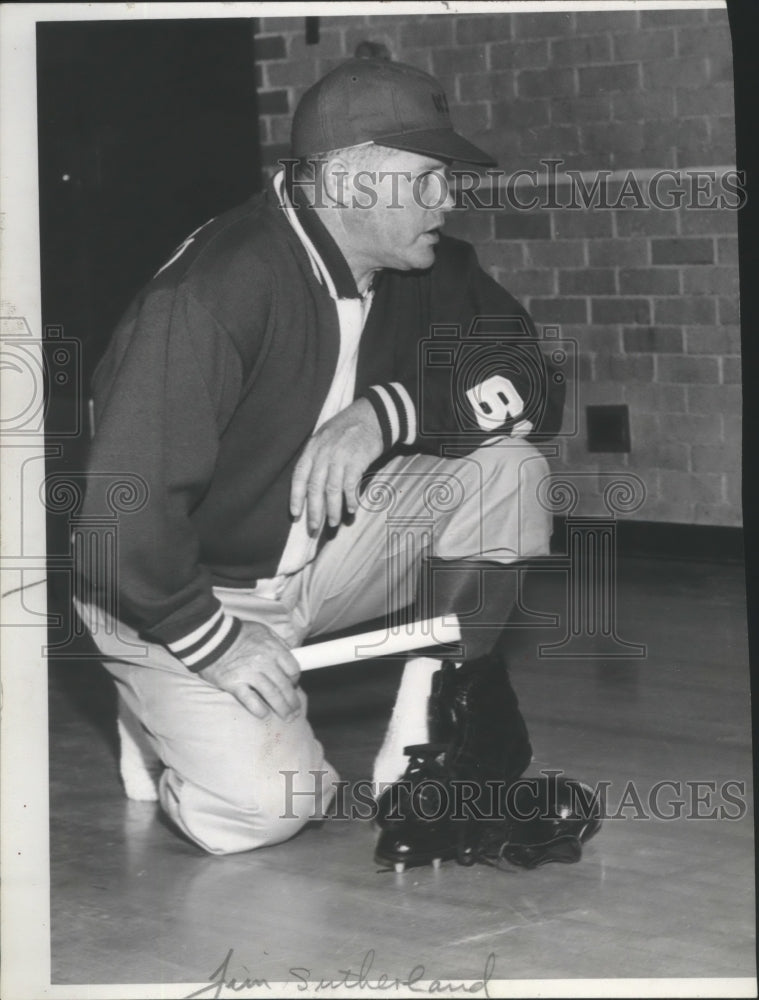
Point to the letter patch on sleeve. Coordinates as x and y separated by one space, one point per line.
494 401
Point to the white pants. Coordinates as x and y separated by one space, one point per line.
231 780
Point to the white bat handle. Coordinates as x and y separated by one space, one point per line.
367 645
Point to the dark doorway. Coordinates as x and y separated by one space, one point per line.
146 129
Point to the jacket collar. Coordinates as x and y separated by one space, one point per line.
327 260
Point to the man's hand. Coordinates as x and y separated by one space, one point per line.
260 671
331 466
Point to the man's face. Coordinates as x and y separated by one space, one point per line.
398 205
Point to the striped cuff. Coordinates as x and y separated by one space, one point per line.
205 644
395 411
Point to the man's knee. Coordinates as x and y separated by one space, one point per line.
502 511
265 814
511 466
240 831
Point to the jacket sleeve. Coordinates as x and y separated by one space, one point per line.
162 395
478 370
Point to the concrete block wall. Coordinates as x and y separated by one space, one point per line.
649 294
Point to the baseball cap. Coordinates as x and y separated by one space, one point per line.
388 103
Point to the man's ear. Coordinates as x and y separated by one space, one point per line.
335 178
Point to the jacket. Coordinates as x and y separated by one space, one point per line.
215 376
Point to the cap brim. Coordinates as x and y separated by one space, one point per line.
442 144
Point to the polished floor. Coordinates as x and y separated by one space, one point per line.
652 897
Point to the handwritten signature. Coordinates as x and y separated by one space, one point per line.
221 980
